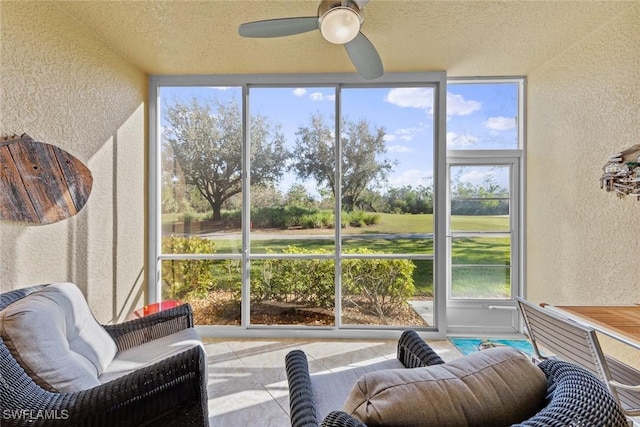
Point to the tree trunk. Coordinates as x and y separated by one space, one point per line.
217 208
347 203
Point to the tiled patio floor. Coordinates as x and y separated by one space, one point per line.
248 383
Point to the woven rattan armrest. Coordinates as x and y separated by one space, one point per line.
575 398
167 392
157 325
341 419
413 352
303 411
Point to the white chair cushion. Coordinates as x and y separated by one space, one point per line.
149 353
56 339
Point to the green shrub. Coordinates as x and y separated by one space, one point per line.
359 218
327 218
299 281
379 286
371 219
318 219
233 215
294 215
268 217
304 217
374 285
181 278
309 221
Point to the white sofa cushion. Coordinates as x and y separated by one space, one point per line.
54 336
151 352
494 387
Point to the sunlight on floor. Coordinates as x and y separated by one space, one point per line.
248 382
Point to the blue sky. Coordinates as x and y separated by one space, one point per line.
479 116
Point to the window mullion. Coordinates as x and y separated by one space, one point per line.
338 210
245 316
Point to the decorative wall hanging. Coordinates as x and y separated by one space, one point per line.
622 173
40 183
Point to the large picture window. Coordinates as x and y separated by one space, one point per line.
320 204
307 205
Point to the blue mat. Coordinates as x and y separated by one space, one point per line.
471 345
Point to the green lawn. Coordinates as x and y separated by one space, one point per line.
481 250
480 282
468 251
423 223
379 245
479 223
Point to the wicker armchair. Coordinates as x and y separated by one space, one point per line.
413 352
574 396
170 392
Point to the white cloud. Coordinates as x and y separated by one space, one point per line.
413 97
407 134
315 96
500 123
412 177
422 98
458 106
220 87
399 149
319 96
404 134
456 141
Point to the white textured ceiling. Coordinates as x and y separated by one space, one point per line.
466 38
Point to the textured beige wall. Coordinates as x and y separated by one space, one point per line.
583 244
61 85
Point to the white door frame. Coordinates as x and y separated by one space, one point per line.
488 316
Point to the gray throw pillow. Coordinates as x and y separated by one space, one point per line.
495 387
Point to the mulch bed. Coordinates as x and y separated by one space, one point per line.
223 308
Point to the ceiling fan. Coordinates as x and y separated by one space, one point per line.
338 21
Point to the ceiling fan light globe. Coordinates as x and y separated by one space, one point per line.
340 25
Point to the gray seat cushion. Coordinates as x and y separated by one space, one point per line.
330 389
54 336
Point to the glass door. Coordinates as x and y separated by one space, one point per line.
482 245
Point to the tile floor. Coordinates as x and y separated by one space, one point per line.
248 383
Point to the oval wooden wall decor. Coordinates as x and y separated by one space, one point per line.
39 182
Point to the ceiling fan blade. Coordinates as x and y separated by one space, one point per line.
278 27
365 57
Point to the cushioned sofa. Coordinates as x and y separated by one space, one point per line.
59 366
495 387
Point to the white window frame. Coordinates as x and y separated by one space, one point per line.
510 157
434 79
